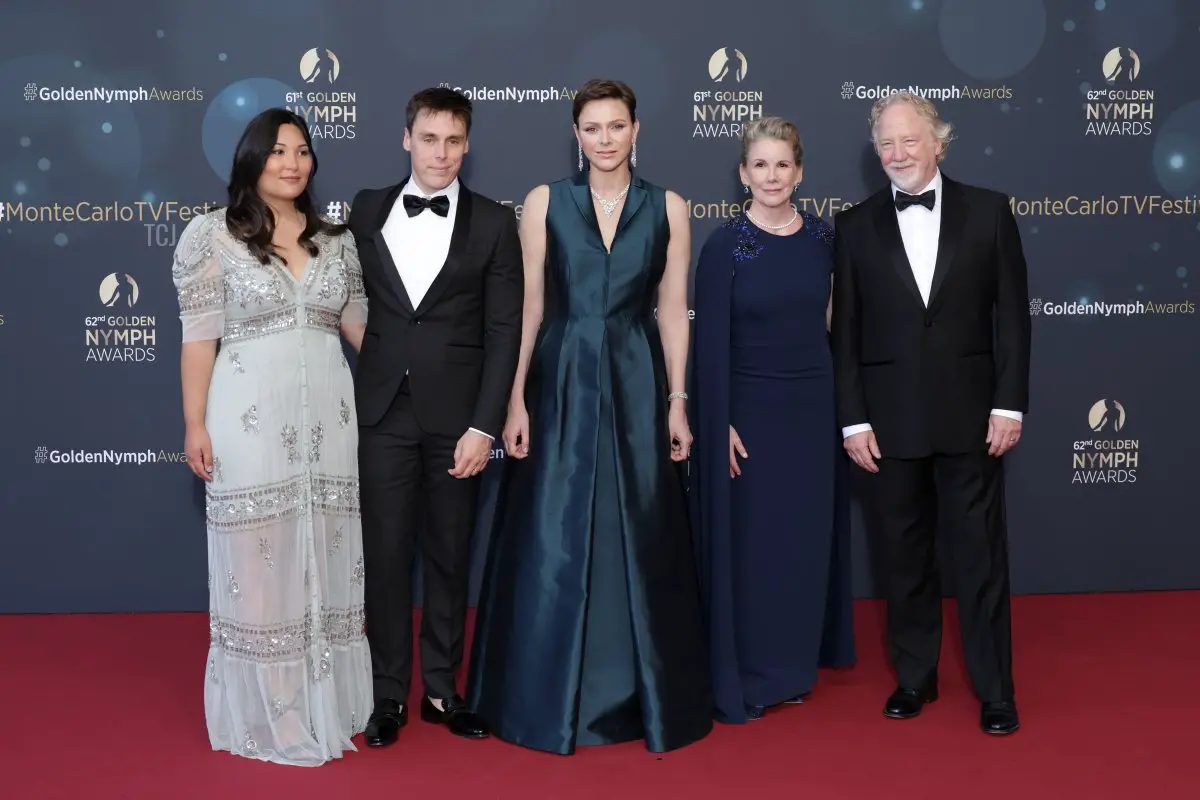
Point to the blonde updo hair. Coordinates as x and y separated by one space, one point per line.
942 131
772 128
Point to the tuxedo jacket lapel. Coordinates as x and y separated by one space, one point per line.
954 217
375 240
889 236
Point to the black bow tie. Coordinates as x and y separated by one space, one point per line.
414 205
903 200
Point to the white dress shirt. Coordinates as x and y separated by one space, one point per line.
419 245
920 228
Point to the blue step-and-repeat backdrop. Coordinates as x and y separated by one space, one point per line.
118 123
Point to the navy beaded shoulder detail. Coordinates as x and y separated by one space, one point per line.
818 228
747 245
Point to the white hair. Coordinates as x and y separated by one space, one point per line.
942 131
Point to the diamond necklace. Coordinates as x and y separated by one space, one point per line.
609 206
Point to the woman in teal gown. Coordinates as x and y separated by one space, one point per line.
588 627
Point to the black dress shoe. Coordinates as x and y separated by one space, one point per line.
907 703
385 723
999 718
455 716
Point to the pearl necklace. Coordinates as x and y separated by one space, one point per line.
609 206
750 216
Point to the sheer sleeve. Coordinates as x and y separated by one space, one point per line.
355 310
199 282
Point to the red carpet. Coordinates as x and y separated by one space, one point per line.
110 707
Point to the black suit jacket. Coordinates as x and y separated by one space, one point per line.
926 379
461 344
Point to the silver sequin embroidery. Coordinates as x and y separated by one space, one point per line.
249 283
273 644
333 282
316 436
250 420
290 438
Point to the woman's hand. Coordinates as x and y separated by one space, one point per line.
681 434
735 448
198 449
516 427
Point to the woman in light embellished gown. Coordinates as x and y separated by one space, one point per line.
265 287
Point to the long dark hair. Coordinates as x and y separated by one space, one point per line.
248 217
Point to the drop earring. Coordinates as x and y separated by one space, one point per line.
745 189
580 157
633 155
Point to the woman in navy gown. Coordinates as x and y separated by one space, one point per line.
589 628
769 500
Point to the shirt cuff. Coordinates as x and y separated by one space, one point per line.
853 429
1000 412
481 433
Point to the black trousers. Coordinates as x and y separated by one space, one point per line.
404 482
961 498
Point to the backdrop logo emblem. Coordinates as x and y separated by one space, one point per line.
1121 64
31 90
116 336
1118 109
1106 415
725 62
40 455
1105 458
313 65
723 113
113 288
330 113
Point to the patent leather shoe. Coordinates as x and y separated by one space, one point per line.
907 703
999 718
385 723
455 715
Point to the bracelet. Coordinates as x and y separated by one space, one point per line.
679 395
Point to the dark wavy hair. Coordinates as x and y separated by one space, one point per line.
248 217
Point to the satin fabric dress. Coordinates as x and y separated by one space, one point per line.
774 541
589 629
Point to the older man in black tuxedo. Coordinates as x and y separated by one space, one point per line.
931 341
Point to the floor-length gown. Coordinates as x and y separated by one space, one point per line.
774 540
589 629
288 677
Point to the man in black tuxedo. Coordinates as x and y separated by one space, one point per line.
443 275
931 340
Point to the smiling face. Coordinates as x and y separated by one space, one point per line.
606 133
288 167
771 172
907 147
437 143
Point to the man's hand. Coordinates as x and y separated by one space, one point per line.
863 450
471 455
1003 434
